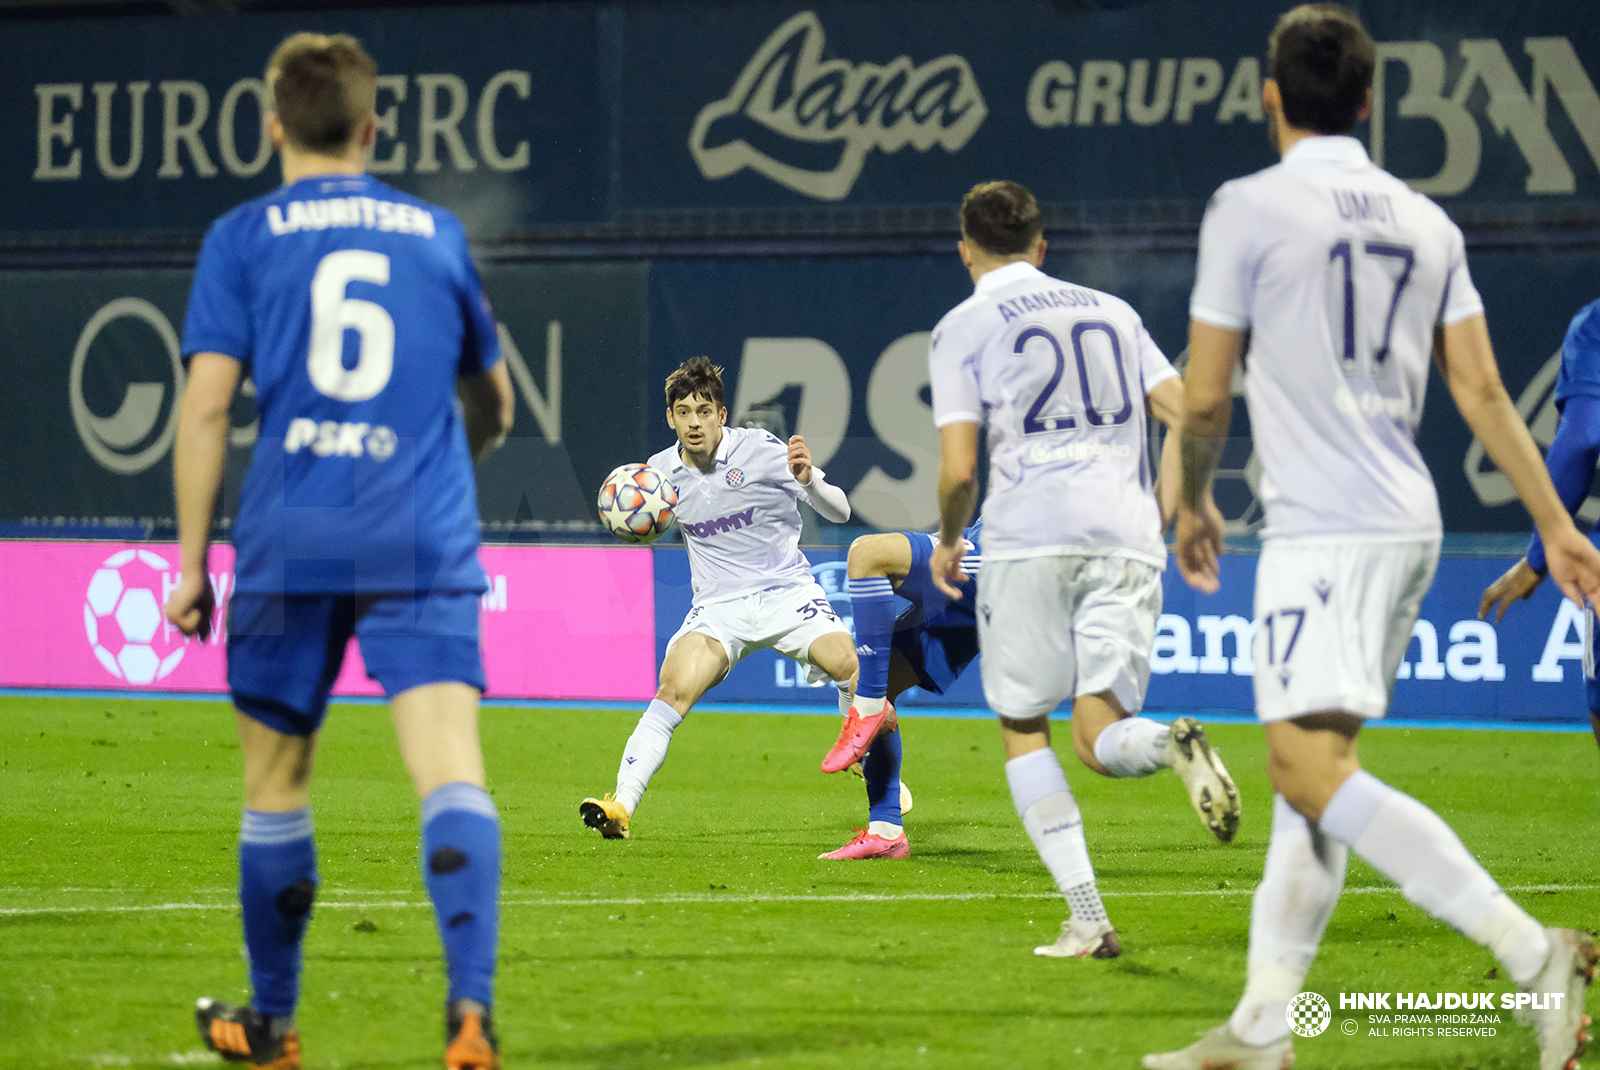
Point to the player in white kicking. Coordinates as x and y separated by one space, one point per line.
1064 379
739 491
1343 282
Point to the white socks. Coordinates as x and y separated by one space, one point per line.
844 700
1055 825
1412 846
1292 905
646 750
1132 746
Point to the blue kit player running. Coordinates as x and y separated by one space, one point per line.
1571 460
356 311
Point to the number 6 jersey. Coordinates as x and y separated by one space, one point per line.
1340 272
353 308
1058 374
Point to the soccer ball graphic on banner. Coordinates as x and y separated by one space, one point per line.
122 615
636 503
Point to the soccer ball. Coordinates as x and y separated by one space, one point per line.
122 616
636 503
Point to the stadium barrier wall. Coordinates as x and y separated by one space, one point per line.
1457 669
560 623
580 623
838 344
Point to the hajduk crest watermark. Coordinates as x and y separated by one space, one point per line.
1309 1014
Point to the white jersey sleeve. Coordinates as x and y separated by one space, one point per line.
953 372
1461 299
1154 367
1222 285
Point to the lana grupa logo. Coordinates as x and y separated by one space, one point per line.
809 123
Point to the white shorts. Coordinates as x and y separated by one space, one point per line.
1333 620
787 619
1053 628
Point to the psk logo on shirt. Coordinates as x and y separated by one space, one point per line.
735 477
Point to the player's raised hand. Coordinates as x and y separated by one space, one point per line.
799 460
945 564
1519 582
1199 543
189 608
1574 564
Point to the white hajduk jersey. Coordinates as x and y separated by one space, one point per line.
1058 374
1340 272
741 520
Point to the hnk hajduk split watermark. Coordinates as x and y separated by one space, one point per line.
1416 1014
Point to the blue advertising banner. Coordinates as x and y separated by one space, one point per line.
847 115
840 346
1527 669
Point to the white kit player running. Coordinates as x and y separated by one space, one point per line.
1343 282
739 491
1064 379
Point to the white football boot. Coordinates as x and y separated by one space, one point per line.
1211 789
1562 1031
1077 942
1219 1049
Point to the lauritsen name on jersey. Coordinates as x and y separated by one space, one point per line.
350 212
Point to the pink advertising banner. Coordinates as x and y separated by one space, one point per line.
557 622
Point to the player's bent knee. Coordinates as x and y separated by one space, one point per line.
884 554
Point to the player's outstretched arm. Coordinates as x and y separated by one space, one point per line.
198 457
830 502
1571 462
958 496
1207 412
488 405
1466 359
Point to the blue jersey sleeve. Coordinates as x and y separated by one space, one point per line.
480 343
218 317
1571 460
1580 356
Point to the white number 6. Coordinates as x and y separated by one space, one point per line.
332 313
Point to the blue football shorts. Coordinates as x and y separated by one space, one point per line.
938 637
284 650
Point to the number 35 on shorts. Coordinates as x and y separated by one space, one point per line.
817 606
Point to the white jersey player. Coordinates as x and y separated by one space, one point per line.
1064 378
739 491
1344 283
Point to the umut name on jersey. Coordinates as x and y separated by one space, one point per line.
1340 272
1058 373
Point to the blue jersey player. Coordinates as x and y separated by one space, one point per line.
356 311
1571 460
926 645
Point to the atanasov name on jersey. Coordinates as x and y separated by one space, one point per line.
368 212
1017 307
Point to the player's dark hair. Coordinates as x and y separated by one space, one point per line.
1001 218
1322 59
322 87
695 376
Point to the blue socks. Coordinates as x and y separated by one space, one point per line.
277 884
872 604
461 868
881 767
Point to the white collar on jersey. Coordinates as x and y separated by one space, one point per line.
722 452
1327 148
1005 276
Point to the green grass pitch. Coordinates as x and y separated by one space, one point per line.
715 937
